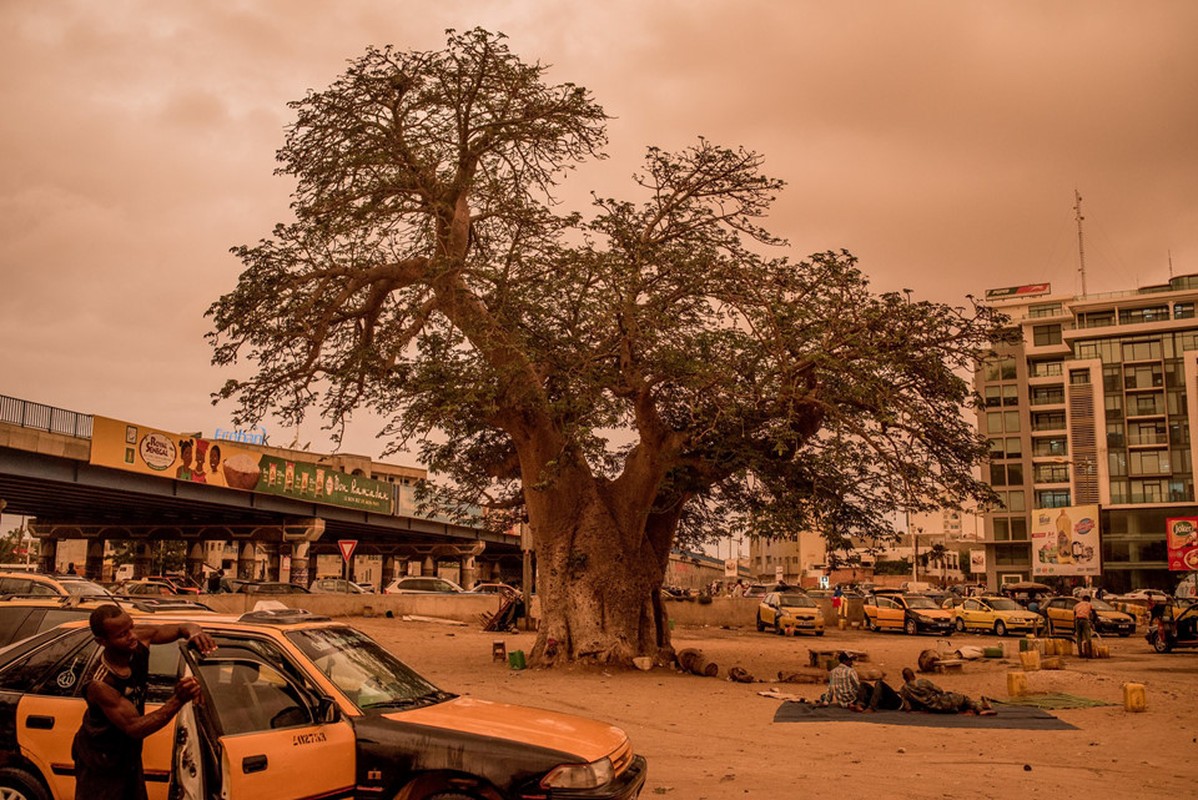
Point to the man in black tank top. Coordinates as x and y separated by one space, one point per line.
107 747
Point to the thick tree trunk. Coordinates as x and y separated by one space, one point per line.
599 578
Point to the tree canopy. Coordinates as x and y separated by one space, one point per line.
617 375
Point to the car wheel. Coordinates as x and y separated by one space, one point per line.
1125 634
959 624
1160 645
1000 629
819 633
869 624
778 626
760 625
910 627
17 784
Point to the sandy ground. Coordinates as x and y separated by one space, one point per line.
711 739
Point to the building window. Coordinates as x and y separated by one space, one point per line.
1044 310
1051 473
1148 462
1052 498
1047 395
1048 421
1144 376
1019 529
1131 316
1141 351
1010 555
1046 369
1183 310
1043 335
1079 377
1002 529
1014 447
1054 446
1096 319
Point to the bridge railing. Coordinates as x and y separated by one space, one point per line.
45 418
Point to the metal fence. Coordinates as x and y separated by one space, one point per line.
45 418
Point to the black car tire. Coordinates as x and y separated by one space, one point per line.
1000 629
760 625
910 627
959 624
869 624
778 625
17 784
1124 634
1160 645
819 633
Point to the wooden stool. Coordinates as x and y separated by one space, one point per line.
498 651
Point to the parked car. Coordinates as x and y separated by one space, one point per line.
147 587
179 584
290 694
335 586
494 588
910 613
36 583
1173 626
21 617
271 587
991 613
795 610
1058 616
1151 595
756 590
422 585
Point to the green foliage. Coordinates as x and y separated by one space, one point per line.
655 347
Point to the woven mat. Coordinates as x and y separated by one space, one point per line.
1008 716
1053 700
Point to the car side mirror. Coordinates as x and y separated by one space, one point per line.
327 711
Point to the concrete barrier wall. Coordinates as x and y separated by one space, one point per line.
461 607
741 612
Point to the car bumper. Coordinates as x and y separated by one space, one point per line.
939 625
1126 628
626 786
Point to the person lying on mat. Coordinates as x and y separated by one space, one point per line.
920 694
847 690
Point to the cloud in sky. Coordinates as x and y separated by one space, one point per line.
940 142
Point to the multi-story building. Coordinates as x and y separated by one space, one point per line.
1091 409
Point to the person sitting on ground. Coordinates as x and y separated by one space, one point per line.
920 694
848 690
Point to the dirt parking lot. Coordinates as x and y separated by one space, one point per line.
711 739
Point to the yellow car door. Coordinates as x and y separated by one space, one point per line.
269 731
890 614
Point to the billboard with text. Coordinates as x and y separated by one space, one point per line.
1066 541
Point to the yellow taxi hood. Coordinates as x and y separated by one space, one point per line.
1119 615
588 739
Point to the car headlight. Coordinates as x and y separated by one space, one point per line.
580 776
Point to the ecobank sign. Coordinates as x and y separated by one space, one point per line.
255 435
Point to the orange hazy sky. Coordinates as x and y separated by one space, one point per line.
941 142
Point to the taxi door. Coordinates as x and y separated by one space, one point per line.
890 613
265 737
971 613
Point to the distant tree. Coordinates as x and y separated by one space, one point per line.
938 555
11 546
614 380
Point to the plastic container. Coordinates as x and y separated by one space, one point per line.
992 652
1134 697
1028 644
1016 684
1030 660
515 659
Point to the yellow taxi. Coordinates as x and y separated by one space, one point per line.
299 706
993 613
793 609
910 613
1058 613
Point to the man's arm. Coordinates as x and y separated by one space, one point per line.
167 633
124 716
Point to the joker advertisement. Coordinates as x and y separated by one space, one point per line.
1182 543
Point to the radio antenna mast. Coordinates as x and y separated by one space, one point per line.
1081 243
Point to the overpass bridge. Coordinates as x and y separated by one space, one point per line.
64 469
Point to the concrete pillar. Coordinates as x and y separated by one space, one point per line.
299 564
143 559
246 562
429 567
47 555
390 565
93 567
195 563
467 571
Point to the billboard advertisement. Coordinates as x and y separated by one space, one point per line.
217 462
977 562
1182 542
1066 541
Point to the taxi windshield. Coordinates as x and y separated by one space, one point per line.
1101 605
796 601
920 602
367 674
1002 604
85 589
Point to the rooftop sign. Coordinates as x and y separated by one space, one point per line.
1027 290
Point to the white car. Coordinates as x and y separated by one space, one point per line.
1155 595
422 585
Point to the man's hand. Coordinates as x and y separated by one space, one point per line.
187 689
202 642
